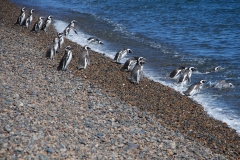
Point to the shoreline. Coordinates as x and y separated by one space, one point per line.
172 109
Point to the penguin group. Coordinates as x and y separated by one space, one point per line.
183 75
134 65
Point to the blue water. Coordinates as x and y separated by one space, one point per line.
168 34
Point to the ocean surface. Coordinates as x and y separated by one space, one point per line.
190 33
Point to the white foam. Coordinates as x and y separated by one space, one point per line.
210 104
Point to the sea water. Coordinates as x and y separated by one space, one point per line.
168 34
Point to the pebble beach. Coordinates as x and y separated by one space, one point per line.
94 113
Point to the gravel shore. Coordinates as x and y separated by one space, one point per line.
95 113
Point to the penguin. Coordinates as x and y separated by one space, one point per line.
60 40
120 54
66 59
38 25
29 19
21 17
176 72
84 59
215 69
129 64
51 52
137 72
186 75
94 40
194 88
223 84
70 27
47 23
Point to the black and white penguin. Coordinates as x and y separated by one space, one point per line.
194 88
21 17
84 59
215 69
51 52
186 76
130 64
94 40
176 72
120 54
137 72
29 18
66 59
223 84
60 40
38 25
69 28
47 23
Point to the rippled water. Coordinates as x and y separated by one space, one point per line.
169 34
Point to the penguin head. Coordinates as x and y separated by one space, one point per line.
192 68
203 81
141 60
230 85
100 42
129 50
217 68
73 21
31 11
50 17
86 47
23 9
68 48
59 34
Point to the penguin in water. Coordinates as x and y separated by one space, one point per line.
70 27
21 17
194 88
60 40
94 40
186 76
129 64
47 23
51 52
120 54
84 59
137 72
38 25
66 59
176 72
223 84
29 19
215 69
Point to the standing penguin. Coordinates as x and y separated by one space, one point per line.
120 54
29 19
51 52
176 72
66 59
137 72
194 88
60 40
38 25
47 23
186 76
21 17
70 27
129 64
84 59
